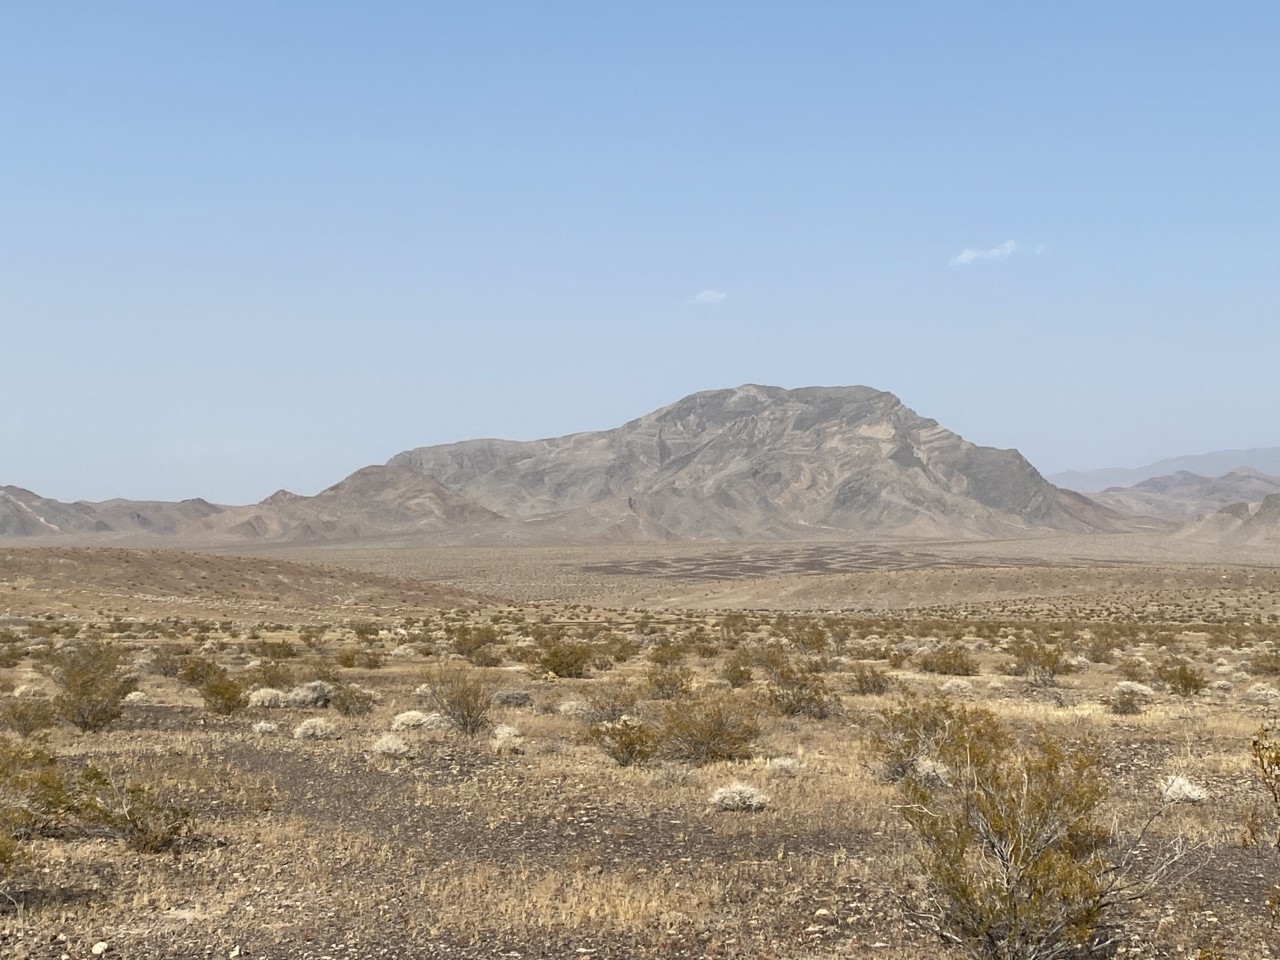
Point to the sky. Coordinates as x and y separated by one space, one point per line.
254 245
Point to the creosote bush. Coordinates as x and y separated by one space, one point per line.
1042 663
223 695
952 659
793 693
627 740
566 658
706 730
1018 861
463 696
92 683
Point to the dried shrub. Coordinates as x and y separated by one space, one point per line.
316 728
739 798
27 715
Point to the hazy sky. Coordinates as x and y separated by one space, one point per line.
251 245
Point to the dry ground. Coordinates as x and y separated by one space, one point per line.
536 843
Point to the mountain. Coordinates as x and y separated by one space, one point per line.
762 462
1184 495
1265 460
753 462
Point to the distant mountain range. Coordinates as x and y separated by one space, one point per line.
754 462
1261 459
1185 496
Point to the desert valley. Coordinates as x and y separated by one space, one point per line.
765 673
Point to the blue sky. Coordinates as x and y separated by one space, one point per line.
251 245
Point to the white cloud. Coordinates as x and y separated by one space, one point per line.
713 297
968 254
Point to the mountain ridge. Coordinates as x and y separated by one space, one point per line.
749 462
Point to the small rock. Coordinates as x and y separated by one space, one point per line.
99 948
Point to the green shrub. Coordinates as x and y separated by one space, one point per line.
129 812
1041 662
1185 679
1017 859
463 696
223 695
197 669
27 715
701 731
566 658
951 659
627 740
611 700
351 700
793 693
667 682
92 683
737 669
868 680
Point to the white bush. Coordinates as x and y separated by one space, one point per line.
316 728
1261 693
317 693
1131 688
389 745
930 772
506 739
416 719
1176 789
268 698
576 710
783 767
739 797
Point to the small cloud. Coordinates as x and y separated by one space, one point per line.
713 297
968 255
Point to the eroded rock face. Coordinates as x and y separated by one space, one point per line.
763 462
749 463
